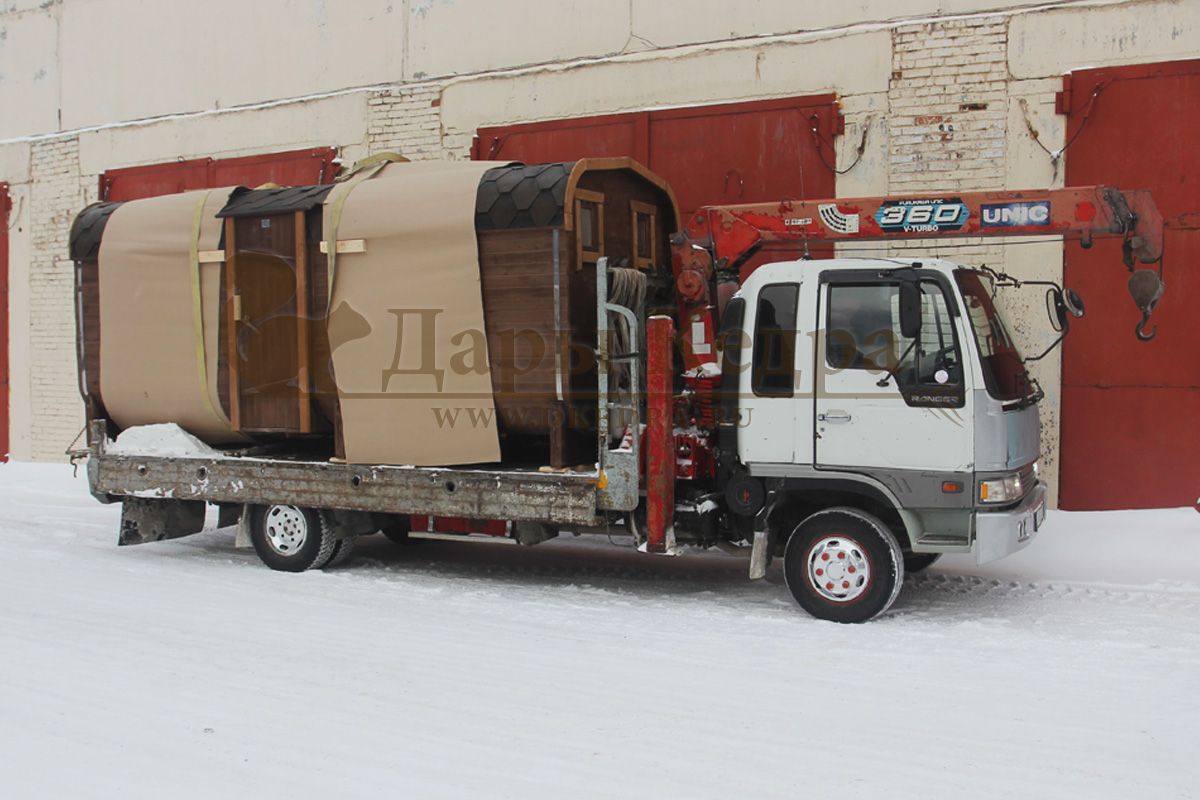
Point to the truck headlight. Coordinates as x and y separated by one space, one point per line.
1001 490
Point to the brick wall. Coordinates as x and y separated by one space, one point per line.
56 196
406 120
948 98
948 116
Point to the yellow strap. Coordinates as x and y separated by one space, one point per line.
335 216
198 313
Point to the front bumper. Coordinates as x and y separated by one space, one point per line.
1002 533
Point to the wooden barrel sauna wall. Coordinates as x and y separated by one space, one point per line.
540 229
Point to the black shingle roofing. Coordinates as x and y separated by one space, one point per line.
522 196
88 229
265 202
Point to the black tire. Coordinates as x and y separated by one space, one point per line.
396 528
916 562
343 551
857 558
290 538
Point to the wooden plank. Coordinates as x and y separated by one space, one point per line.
231 322
302 324
346 246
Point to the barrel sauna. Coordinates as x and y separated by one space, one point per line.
540 230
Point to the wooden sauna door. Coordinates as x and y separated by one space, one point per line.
267 350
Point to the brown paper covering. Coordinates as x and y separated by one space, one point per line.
420 263
149 371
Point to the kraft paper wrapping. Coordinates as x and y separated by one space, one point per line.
402 309
149 358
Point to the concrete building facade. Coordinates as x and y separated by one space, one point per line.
938 95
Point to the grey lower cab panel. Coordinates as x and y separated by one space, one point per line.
559 499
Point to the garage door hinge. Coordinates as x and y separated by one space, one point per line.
1062 100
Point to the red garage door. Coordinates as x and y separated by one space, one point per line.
4 209
1131 410
732 153
293 168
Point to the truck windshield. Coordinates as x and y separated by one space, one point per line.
1003 370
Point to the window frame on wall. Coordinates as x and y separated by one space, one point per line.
587 202
638 211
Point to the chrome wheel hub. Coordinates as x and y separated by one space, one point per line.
287 529
838 569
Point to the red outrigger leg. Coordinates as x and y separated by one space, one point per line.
660 434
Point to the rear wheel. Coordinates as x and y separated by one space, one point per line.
290 538
395 527
915 562
843 565
343 550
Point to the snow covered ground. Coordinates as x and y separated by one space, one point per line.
583 670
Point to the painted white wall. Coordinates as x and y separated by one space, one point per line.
102 61
1056 41
805 64
331 121
30 72
132 59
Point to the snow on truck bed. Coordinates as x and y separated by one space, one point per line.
578 669
164 439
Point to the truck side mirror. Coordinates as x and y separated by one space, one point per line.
910 310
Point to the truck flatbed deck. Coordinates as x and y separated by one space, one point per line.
560 498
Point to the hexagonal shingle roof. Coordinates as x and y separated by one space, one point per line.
521 196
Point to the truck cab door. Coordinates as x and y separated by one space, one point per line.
920 418
768 405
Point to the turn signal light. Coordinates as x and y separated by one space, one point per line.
952 487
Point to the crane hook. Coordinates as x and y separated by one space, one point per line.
1140 329
1146 289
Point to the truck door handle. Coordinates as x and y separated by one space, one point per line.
834 416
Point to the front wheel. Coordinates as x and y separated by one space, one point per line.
843 565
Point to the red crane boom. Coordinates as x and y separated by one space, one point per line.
721 239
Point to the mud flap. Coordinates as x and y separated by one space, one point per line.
153 520
760 555
229 514
242 539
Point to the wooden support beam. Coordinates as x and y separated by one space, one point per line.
304 387
232 317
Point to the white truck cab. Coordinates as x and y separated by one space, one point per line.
941 425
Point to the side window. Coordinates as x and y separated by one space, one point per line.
773 373
862 329
589 226
645 233
863 332
935 360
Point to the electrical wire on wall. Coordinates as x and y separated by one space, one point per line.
818 139
1035 135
